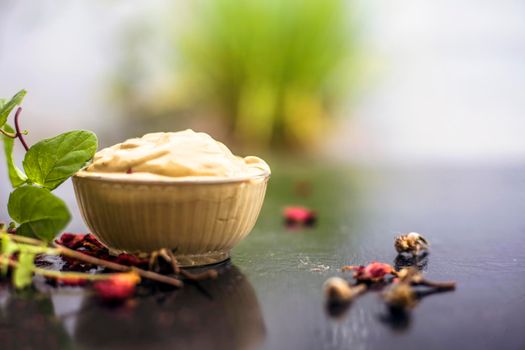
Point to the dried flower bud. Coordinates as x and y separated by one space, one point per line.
400 296
297 216
412 243
338 291
373 272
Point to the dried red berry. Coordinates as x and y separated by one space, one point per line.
299 216
117 288
373 272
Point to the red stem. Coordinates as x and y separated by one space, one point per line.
17 128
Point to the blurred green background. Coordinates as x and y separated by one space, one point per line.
356 81
262 74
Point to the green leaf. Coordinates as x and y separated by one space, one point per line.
50 162
7 107
23 275
2 103
16 176
39 213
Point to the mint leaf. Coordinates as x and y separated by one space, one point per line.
50 162
23 275
39 213
7 107
16 176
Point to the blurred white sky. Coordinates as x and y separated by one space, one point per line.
448 81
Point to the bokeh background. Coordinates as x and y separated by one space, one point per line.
357 82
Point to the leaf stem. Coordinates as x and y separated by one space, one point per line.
17 128
8 134
67 274
24 239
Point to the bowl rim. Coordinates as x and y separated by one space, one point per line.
166 180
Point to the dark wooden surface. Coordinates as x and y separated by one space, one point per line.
269 296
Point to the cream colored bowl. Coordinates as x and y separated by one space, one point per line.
200 220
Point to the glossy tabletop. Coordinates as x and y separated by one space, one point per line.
269 295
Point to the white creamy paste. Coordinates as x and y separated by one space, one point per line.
173 154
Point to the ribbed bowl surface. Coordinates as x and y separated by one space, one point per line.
200 221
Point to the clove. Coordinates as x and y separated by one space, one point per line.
338 291
400 297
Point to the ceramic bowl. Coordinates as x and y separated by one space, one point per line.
200 220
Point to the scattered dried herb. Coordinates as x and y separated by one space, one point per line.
18 253
404 288
88 244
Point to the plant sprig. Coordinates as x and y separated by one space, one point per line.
27 248
46 165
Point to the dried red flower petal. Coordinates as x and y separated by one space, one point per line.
85 243
89 237
373 272
299 216
70 240
378 269
117 288
76 241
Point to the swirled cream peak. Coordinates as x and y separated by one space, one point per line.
174 154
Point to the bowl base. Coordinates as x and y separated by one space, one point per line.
194 260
